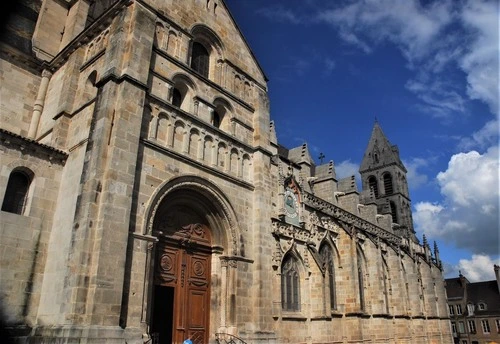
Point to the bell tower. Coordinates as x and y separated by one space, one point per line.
384 183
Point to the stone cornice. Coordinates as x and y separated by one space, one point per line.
349 218
22 143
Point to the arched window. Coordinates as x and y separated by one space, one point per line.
16 193
372 184
388 184
200 59
290 285
216 119
361 279
327 259
176 97
394 212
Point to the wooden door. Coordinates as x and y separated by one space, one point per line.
184 268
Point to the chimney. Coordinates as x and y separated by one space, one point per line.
497 275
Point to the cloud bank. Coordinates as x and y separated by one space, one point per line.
468 216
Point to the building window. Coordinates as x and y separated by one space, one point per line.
388 184
372 185
453 327
464 342
486 326
470 309
497 322
461 327
176 97
290 288
459 309
472 326
216 120
481 306
16 193
327 258
451 309
200 59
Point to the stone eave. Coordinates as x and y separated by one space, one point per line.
349 218
31 146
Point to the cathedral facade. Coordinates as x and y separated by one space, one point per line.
146 199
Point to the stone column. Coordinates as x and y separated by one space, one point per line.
39 103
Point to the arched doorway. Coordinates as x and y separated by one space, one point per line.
181 295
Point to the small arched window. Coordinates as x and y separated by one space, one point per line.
372 184
176 97
388 184
216 119
200 59
327 259
16 193
290 285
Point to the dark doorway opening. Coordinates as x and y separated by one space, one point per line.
163 314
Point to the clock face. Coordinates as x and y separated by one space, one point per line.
291 204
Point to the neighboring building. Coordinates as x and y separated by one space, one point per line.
474 309
145 197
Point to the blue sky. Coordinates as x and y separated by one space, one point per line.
426 70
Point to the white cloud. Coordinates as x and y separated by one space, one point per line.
414 177
480 62
469 214
280 14
482 138
346 169
478 268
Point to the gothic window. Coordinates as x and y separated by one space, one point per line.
327 258
290 285
388 184
394 212
16 193
361 283
200 59
176 97
372 184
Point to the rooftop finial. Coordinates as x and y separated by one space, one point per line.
321 157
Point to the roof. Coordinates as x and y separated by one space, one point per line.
487 293
380 152
454 288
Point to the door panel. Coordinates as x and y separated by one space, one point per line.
186 270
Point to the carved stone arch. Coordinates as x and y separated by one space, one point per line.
208 199
184 89
327 240
224 111
211 42
293 252
208 38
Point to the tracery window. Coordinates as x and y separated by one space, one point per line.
290 285
16 193
327 258
200 59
